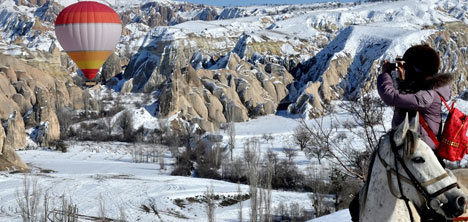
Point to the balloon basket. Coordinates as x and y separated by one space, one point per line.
90 84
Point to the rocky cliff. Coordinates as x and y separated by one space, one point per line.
330 54
29 97
12 137
213 65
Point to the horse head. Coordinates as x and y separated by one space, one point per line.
416 175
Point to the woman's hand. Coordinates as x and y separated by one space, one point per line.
388 67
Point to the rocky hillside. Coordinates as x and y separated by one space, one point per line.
35 78
331 51
212 65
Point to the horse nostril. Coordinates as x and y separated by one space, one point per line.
461 202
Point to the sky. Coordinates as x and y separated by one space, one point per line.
257 2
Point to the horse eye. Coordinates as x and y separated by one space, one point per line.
418 160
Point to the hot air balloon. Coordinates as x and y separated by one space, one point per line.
88 31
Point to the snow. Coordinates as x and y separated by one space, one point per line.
267 124
290 24
341 216
143 117
93 170
401 24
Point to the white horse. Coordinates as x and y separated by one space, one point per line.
417 177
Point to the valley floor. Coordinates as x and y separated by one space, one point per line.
95 174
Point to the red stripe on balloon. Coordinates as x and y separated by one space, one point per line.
90 73
87 12
84 17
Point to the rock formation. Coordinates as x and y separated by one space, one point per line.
34 94
12 138
301 58
236 92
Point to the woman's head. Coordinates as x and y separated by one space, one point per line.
421 62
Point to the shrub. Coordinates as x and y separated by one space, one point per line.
287 177
29 199
126 124
183 165
61 146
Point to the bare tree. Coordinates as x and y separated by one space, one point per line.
338 181
189 133
45 207
86 102
210 204
367 113
268 138
289 152
65 120
163 128
317 197
109 125
250 152
67 211
267 195
251 155
232 137
123 214
301 137
261 192
125 122
325 145
102 207
239 196
29 199
320 143
160 154
272 163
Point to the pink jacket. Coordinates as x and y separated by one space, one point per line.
426 101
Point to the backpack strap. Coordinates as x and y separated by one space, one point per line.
428 130
445 102
426 126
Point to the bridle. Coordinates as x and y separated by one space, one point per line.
430 200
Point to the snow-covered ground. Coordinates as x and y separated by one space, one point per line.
339 216
92 171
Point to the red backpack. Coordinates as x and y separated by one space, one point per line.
454 142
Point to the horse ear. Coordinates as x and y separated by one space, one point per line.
400 133
414 125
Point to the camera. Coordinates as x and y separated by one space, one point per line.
395 65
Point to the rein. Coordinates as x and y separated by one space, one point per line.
428 198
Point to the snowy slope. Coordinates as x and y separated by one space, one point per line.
336 47
286 22
340 216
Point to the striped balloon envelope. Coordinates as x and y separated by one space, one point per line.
88 31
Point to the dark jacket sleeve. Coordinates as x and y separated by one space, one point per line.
392 97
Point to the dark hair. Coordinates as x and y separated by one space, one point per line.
421 62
